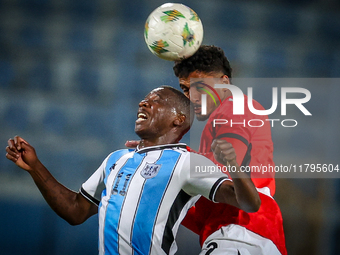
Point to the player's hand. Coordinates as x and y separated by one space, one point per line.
22 153
131 144
224 152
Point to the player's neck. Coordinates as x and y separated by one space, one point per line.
225 94
157 141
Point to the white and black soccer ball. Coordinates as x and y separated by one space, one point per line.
173 32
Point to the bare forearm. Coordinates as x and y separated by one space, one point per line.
65 202
245 191
240 192
246 195
69 205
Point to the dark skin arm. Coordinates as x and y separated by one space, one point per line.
241 192
69 205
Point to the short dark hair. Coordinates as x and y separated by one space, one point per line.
208 58
183 103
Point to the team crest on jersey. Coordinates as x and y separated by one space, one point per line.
150 170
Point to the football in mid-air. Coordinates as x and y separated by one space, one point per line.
173 32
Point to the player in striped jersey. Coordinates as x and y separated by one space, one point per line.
144 194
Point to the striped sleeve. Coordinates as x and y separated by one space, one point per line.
89 197
205 182
94 186
215 188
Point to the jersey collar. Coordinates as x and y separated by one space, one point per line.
161 147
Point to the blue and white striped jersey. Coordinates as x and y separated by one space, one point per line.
144 194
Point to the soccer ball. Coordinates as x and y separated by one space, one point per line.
173 32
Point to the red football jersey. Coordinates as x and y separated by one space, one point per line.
250 136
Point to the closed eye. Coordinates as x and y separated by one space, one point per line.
184 89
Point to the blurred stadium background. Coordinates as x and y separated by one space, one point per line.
72 73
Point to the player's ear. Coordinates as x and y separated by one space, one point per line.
225 79
180 119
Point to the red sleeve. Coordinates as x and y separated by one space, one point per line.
232 128
189 221
252 142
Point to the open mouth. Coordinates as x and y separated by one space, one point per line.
141 116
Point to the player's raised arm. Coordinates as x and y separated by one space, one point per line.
69 205
241 192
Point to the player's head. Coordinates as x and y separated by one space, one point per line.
207 59
163 114
207 62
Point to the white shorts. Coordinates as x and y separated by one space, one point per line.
237 240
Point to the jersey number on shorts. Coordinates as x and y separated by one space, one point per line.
213 246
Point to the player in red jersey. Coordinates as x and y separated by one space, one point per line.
224 229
